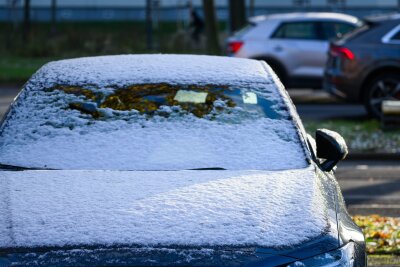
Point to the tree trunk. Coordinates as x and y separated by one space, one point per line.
149 24
237 14
27 19
251 8
53 17
211 27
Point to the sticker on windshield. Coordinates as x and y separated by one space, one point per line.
249 98
190 97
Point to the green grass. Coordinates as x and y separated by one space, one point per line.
14 69
19 58
383 260
361 136
83 38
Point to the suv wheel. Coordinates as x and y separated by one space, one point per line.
383 87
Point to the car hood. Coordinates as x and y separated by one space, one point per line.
273 211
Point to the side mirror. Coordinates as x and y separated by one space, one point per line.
331 147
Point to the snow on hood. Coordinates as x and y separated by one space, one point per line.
263 208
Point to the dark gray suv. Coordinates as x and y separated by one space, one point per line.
364 66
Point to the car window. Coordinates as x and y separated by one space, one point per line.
155 126
358 31
296 30
335 30
166 100
396 36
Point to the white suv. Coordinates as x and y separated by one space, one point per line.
295 45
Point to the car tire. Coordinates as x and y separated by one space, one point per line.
382 87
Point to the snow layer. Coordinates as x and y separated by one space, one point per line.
42 131
161 146
133 69
263 208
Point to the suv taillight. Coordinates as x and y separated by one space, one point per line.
340 51
234 46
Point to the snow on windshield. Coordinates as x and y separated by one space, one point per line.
70 127
65 128
149 126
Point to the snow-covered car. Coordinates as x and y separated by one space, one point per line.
168 160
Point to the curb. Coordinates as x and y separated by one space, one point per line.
373 156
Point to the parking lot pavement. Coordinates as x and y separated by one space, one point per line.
314 104
311 96
7 94
371 187
331 111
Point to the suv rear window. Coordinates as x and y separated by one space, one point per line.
396 36
358 31
335 30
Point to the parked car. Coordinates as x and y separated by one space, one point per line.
295 45
364 66
168 160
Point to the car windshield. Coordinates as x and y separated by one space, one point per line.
151 127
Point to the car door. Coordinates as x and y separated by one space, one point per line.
298 45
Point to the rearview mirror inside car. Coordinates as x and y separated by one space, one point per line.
331 147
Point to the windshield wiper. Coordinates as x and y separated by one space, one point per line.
18 168
209 169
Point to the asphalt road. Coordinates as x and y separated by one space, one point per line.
318 105
369 187
6 96
331 111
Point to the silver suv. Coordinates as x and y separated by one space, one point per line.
295 45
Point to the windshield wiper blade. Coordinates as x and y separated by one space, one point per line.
208 169
18 168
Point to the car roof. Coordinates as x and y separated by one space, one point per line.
123 70
298 16
383 18
373 32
